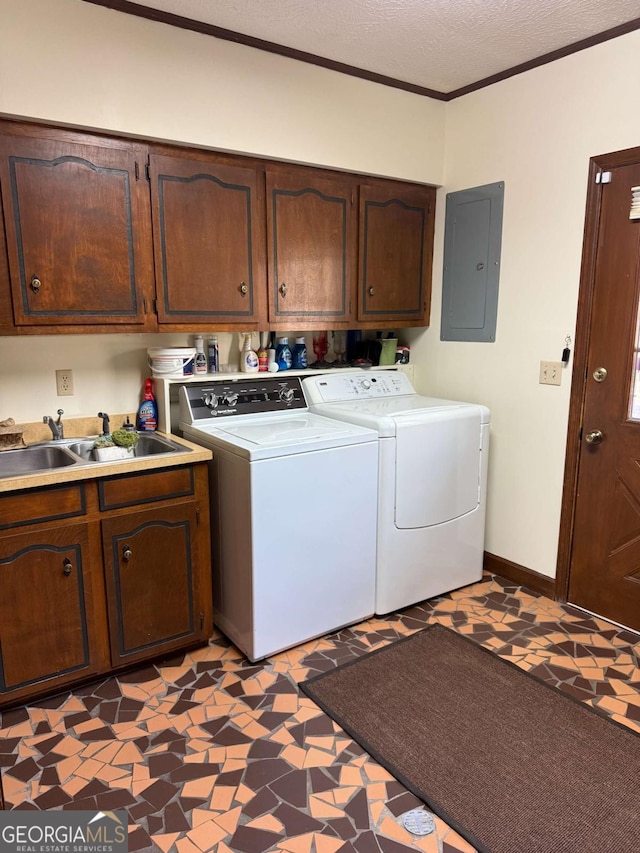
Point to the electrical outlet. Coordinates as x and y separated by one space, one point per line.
64 383
550 372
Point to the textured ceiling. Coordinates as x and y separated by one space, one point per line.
437 44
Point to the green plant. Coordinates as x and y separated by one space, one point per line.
124 437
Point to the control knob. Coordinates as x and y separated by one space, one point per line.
231 398
365 384
211 400
286 395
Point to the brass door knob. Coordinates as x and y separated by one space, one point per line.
594 437
600 374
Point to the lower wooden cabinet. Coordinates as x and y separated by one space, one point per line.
150 560
50 629
112 588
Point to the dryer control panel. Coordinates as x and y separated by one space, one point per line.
370 385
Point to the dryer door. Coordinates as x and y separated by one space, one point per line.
437 466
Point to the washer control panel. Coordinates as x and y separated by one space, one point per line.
220 398
372 385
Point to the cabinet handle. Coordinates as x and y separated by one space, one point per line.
283 289
243 288
68 565
127 553
36 284
372 291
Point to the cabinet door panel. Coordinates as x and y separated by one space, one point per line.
152 581
209 236
48 618
78 231
311 248
396 249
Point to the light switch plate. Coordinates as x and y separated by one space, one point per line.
550 373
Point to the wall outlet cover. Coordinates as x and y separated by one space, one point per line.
64 383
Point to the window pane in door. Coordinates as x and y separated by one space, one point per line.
634 401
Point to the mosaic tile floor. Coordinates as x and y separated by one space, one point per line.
211 753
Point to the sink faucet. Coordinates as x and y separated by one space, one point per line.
105 422
56 427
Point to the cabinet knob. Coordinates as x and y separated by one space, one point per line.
67 567
127 553
372 291
283 289
36 284
243 288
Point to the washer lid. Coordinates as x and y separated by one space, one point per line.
264 438
385 415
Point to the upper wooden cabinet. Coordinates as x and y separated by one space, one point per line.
395 253
78 231
107 234
311 234
208 231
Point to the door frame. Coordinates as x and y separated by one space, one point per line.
600 163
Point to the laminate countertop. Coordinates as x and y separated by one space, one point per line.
97 470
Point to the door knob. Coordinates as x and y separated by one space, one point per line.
594 437
127 553
600 374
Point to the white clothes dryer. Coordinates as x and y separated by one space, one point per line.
293 512
432 481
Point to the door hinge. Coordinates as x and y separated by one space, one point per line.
137 171
146 171
197 515
145 305
154 302
201 620
603 178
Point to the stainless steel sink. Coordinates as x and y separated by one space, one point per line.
149 444
79 452
28 460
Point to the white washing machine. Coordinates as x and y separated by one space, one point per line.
293 511
432 486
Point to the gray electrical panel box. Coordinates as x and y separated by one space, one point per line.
472 243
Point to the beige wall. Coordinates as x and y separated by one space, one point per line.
73 62
70 61
536 132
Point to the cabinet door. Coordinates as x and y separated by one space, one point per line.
208 227
52 624
153 590
78 230
311 250
396 252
